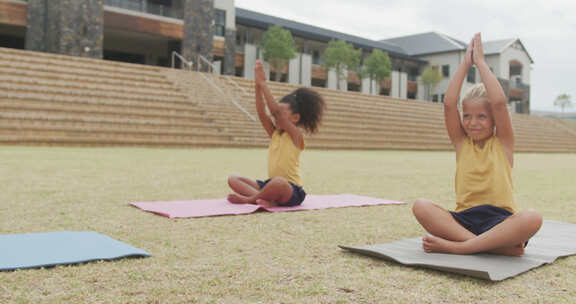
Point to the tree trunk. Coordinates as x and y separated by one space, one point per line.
338 72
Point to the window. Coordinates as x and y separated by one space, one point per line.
239 36
435 98
446 70
353 87
413 74
315 57
162 2
249 37
219 23
471 75
515 70
317 82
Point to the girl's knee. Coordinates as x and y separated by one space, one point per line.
535 218
421 205
232 179
531 219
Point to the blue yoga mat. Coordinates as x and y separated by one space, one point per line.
31 250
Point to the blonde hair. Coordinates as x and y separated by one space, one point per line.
476 91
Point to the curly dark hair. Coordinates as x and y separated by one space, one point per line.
309 104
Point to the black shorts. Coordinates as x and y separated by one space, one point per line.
481 218
298 194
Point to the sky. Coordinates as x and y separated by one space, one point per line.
547 29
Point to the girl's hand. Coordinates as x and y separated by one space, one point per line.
478 52
468 60
259 74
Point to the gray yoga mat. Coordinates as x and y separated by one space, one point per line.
31 250
554 240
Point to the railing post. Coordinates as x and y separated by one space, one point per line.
210 66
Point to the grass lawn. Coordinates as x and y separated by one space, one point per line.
289 257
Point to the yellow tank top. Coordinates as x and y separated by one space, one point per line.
284 158
483 176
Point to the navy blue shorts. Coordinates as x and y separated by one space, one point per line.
298 194
481 218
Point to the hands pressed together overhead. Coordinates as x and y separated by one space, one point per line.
259 74
474 53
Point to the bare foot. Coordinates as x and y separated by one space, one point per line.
432 243
265 203
237 199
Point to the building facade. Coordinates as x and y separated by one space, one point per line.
150 31
508 59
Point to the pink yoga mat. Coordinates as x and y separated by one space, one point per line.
201 208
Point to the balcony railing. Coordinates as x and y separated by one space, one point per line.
147 7
516 83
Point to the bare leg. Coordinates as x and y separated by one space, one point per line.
243 187
277 191
439 222
506 238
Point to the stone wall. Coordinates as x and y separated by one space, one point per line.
198 35
230 53
73 27
36 20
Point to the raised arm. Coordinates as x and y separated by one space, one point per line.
282 118
498 102
451 114
261 109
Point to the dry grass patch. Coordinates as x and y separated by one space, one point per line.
259 258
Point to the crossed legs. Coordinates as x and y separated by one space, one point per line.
447 235
247 191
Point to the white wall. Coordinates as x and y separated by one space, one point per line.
217 67
515 53
403 85
228 6
399 85
250 52
366 86
332 80
421 93
493 62
294 69
395 80
306 70
300 70
452 59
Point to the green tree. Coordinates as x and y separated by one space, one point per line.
563 101
341 57
278 48
431 77
377 66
